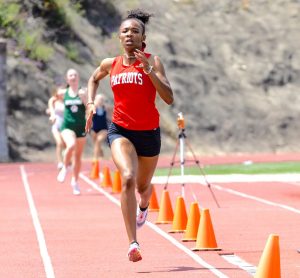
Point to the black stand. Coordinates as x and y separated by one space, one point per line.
181 140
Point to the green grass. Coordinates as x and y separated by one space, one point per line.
225 169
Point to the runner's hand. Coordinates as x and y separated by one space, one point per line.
140 55
52 119
90 111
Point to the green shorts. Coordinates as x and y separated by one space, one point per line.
78 129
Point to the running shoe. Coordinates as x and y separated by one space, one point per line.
62 174
141 216
75 187
134 252
60 165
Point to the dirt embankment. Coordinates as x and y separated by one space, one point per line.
235 73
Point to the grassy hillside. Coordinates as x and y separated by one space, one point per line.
234 67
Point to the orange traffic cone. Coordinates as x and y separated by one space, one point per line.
206 237
95 170
116 186
180 216
153 204
165 215
269 264
192 223
106 177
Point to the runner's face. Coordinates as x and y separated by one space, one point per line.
99 100
72 77
131 34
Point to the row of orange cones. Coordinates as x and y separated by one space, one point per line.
194 230
106 180
197 226
205 239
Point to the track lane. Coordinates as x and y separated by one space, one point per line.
164 234
37 226
86 237
284 194
20 254
280 216
240 227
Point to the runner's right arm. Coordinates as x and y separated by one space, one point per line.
93 84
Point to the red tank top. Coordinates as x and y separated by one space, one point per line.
134 96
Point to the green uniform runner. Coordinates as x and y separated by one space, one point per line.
74 115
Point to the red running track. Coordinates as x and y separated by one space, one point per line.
84 236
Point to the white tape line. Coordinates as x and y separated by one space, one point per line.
229 178
236 260
257 199
37 226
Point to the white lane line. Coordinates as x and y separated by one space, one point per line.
37 226
242 178
190 253
257 199
285 178
236 260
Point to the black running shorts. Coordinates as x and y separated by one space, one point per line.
146 142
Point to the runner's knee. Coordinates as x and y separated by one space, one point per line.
142 188
128 179
70 147
60 144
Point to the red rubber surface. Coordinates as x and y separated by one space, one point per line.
85 235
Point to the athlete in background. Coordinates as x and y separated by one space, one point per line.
100 126
134 134
73 129
56 115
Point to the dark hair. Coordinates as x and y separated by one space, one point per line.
140 16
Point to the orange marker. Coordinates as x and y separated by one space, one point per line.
180 120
